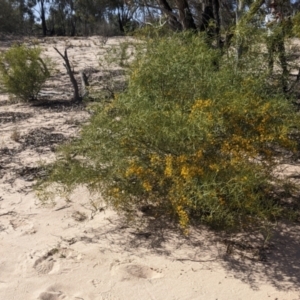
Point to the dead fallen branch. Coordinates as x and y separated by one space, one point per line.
11 212
62 207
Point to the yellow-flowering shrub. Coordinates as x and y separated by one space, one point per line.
193 135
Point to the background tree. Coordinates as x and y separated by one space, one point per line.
8 17
219 19
40 7
16 17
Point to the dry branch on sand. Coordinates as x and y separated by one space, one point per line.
76 95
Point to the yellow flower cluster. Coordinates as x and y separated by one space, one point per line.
115 193
169 166
134 170
183 217
147 186
154 159
239 146
200 104
199 107
188 172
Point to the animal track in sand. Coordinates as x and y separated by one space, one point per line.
96 282
44 265
108 296
136 271
49 262
22 225
140 271
15 223
52 293
51 296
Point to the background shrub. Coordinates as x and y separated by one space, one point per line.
23 72
194 135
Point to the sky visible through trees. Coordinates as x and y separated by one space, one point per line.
114 17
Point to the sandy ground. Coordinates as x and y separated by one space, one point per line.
80 249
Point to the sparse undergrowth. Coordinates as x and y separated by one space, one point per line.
194 136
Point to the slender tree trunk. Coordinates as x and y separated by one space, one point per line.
185 15
73 20
21 12
73 26
206 16
238 15
121 27
43 18
166 8
216 11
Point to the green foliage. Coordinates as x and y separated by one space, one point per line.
154 30
8 17
194 135
23 72
296 25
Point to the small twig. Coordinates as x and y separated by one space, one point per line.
62 207
8 213
194 260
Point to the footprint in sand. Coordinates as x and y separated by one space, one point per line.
44 265
52 293
51 296
16 223
108 296
23 226
50 262
140 271
136 271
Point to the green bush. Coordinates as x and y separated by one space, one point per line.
296 25
194 135
23 72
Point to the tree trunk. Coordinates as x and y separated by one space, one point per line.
239 12
43 18
173 21
73 26
73 20
216 12
21 12
207 15
185 15
121 27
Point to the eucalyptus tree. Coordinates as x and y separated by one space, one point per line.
69 9
40 7
62 18
86 13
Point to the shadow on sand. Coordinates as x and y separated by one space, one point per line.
280 265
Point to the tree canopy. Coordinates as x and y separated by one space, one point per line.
88 17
